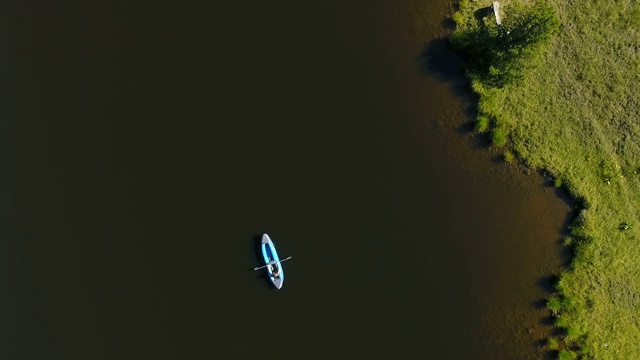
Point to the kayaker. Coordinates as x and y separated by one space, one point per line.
276 273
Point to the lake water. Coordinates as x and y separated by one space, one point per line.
146 146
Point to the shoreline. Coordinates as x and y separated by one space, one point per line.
559 118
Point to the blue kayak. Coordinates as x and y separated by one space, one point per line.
272 261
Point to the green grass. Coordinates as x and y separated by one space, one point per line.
576 113
553 344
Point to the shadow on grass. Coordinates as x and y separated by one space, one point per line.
482 13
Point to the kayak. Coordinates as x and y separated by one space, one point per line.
272 261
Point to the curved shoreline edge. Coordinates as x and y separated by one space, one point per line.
575 114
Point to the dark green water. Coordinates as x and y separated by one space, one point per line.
146 145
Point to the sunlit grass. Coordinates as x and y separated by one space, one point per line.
576 114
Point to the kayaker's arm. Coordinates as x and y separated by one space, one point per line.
271 263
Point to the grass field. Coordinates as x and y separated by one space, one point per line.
577 115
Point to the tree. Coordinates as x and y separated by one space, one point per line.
497 54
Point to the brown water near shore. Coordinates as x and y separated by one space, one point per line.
514 215
147 145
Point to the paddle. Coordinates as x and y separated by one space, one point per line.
271 263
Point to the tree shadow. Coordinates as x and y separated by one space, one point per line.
482 13
438 60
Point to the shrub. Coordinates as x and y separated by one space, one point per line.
567 355
554 304
557 182
572 333
497 54
482 124
561 322
553 344
509 156
499 136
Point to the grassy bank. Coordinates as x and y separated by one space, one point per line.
576 113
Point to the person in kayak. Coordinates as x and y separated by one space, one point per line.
276 273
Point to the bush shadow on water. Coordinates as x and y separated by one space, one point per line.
438 60
566 252
548 284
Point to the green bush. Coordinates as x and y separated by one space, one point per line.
482 124
557 182
572 333
509 156
567 355
553 344
561 322
499 136
554 304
